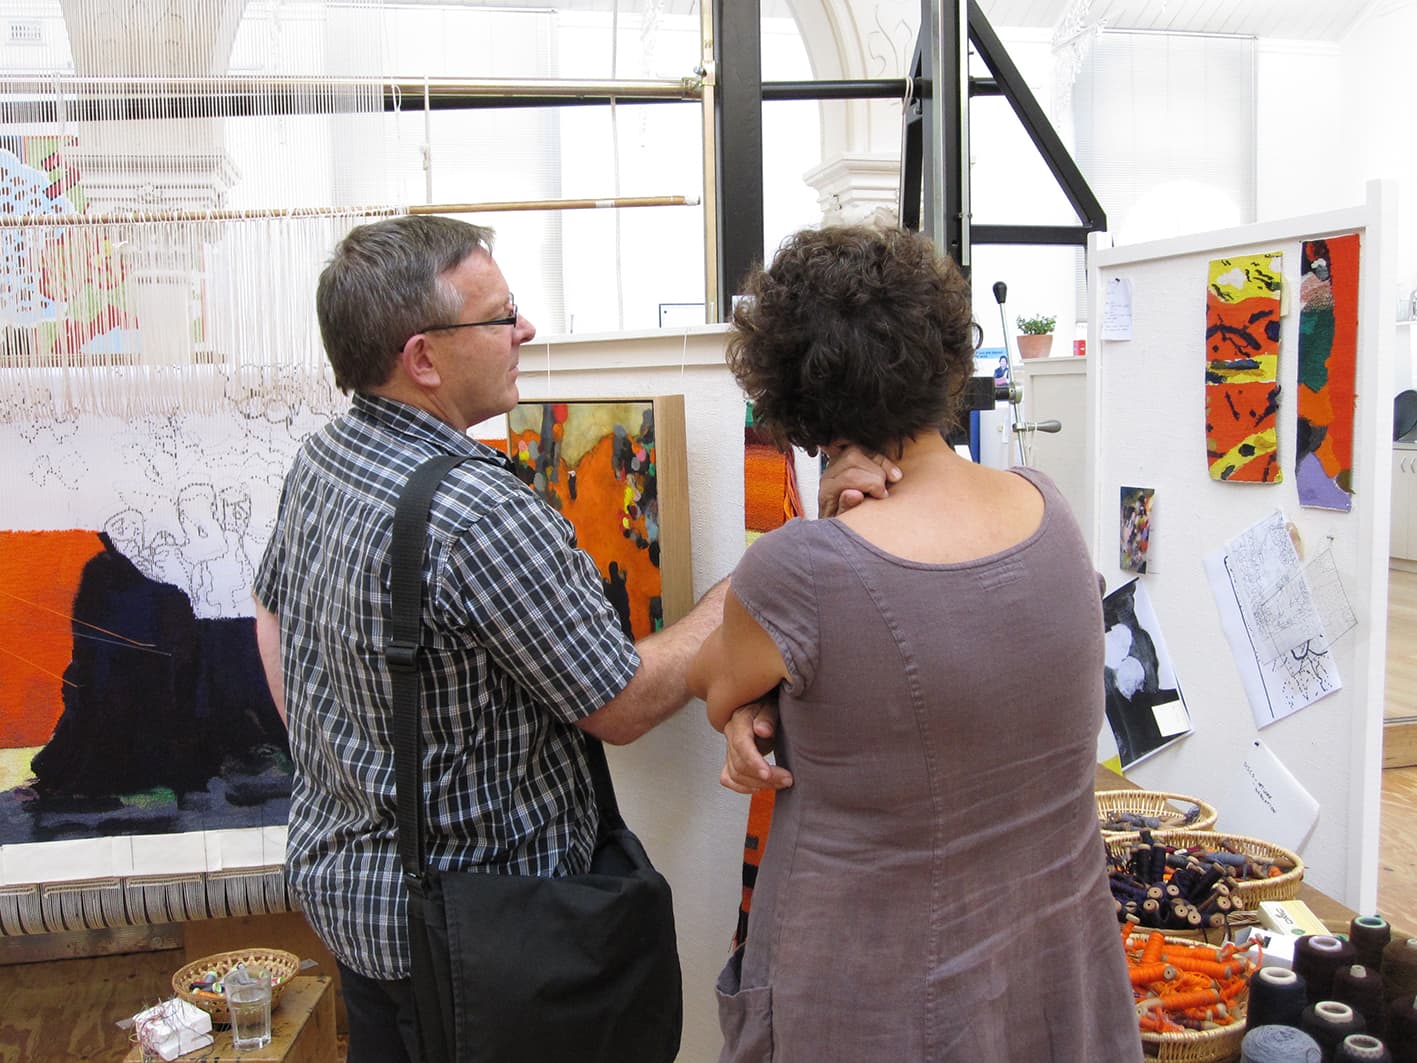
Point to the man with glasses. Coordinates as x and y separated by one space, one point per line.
522 648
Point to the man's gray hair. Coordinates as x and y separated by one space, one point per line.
385 282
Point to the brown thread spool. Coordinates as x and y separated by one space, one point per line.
1400 969
1402 1029
1361 987
1362 1048
1317 957
1328 1022
1370 934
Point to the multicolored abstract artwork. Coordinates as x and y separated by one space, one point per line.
1328 358
1136 528
615 470
1242 363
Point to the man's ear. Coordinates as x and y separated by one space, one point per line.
416 360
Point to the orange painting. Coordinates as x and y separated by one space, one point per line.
595 463
1242 368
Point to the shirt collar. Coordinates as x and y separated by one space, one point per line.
404 419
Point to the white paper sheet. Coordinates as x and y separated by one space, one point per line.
1268 616
1117 310
1266 801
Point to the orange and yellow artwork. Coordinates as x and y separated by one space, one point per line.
599 464
1328 360
1242 368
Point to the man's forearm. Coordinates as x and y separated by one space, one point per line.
268 645
659 689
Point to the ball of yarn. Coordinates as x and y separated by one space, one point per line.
1316 958
1277 998
1279 1044
1362 1048
1328 1022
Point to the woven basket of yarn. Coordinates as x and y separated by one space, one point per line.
1198 1046
1175 811
278 963
1249 892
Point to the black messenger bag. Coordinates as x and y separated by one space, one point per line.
524 968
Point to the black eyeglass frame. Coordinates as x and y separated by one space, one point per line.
510 319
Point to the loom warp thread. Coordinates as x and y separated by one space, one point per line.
1328 1022
1277 998
1316 959
1362 1048
1279 1044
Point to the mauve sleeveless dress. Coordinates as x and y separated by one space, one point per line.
934 885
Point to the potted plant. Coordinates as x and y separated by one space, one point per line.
1036 335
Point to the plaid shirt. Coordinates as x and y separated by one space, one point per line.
519 643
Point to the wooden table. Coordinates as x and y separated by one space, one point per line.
302 1030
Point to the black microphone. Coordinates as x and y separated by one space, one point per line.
1001 291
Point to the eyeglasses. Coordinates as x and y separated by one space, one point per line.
510 319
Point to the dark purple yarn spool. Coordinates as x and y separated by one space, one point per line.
1402 1029
1370 934
1316 959
1362 1048
1362 987
1328 1022
1277 998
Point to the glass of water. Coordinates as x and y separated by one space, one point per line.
250 1007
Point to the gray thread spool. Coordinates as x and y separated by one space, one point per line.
1279 1044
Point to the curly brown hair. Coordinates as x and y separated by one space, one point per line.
854 333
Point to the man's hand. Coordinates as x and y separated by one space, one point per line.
749 733
852 475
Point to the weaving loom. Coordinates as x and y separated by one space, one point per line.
172 178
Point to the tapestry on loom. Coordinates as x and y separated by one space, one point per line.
617 470
66 285
1328 360
1242 363
770 500
136 703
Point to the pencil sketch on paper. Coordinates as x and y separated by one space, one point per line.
1271 621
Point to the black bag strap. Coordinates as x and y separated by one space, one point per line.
401 657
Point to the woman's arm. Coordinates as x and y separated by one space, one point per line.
737 664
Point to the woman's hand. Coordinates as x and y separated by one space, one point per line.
749 733
852 475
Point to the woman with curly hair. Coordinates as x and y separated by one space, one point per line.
933 886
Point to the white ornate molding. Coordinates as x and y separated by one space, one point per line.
856 187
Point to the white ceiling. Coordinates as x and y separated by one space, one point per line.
1317 20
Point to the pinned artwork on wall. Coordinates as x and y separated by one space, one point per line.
1328 361
617 470
1145 710
770 495
1136 528
1242 365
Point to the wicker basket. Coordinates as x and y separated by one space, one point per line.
1250 892
1155 803
282 966
1198 1046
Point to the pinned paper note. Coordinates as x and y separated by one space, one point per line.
1267 801
1117 310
